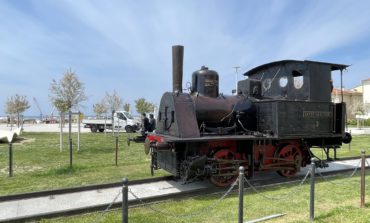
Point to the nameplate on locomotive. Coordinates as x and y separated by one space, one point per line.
316 114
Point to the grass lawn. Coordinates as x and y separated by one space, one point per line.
359 142
39 165
336 200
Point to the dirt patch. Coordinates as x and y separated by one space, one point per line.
21 141
21 169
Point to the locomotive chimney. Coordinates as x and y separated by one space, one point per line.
177 63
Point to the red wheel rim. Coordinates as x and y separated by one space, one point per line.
290 153
224 168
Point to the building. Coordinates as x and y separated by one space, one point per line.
366 95
357 99
352 98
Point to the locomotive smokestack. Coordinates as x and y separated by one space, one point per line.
177 63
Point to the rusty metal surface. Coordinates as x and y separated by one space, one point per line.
177 64
205 82
176 116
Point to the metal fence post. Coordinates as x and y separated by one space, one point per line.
10 159
116 150
363 164
312 191
241 193
70 152
349 144
61 132
113 122
79 130
125 201
70 136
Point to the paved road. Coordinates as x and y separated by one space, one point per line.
45 128
55 128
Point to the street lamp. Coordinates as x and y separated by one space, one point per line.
236 78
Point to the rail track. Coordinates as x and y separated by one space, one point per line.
78 189
170 184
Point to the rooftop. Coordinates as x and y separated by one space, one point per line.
345 91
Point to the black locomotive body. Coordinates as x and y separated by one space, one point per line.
280 111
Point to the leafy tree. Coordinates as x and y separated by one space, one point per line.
143 106
113 101
17 104
126 107
68 93
100 108
9 107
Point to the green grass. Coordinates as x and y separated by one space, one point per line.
359 142
336 200
39 165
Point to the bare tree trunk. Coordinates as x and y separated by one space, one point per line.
11 121
18 119
61 132
105 125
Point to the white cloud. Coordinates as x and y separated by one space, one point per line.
126 45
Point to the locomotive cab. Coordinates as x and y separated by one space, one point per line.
295 80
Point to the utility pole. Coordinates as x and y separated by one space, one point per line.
236 78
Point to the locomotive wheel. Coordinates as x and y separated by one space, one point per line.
224 172
290 153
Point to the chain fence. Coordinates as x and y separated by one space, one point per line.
191 214
282 197
100 217
326 178
260 193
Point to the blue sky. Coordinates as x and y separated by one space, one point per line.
126 45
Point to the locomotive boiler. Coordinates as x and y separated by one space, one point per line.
280 111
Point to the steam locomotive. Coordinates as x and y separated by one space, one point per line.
280 111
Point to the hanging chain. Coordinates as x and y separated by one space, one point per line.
326 178
189 215
282 197
98 219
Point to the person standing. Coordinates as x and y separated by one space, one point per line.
145 125
152 122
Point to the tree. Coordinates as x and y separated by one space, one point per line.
100 108
68 93
143 106
113 101
126 107
17 104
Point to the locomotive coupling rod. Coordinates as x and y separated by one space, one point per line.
363 159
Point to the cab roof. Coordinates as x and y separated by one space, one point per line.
286 62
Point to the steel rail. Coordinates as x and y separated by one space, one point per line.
277 180
21 196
